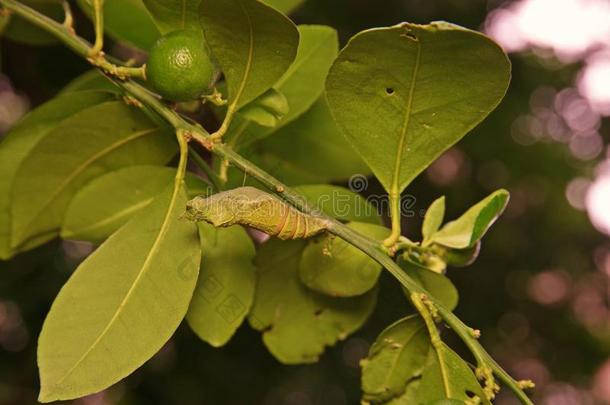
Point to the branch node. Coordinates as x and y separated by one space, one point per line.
129 100
526 384
215 98
491 387
68 18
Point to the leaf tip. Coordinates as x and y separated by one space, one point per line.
504 192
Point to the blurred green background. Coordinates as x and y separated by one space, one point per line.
539 291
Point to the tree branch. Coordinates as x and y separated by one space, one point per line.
197 133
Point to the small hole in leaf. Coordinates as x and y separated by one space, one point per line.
389 91
470 394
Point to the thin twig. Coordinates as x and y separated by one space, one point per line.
186 130
203 165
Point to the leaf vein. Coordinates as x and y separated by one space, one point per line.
79 170
147 261
405 127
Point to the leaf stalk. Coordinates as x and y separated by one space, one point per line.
186 132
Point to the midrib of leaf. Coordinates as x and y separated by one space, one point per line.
242 85
81 169
395 361
395 191
111 218
442 368
153 250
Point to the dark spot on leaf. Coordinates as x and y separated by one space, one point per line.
389 91
470 394
318 312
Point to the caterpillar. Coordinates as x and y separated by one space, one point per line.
254 208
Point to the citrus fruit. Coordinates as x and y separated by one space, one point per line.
179 67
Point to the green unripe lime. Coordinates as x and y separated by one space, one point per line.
179 67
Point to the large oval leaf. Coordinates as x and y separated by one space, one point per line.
172 15
253 43
298 323
402 95
225 289
108 202
20 140
301 85
333 267
397 357
122 304
448 377
286 154
95 141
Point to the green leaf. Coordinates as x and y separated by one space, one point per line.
438 285
302 84
106 203
225 290
333 267
461 257
22 31
122 304
298 323
93 142
409 396
253 44
172 15
267 110
468 229
447 376
91 80
396 358
433 218
287 153
285 6
402 95
127 21
20 140
340 203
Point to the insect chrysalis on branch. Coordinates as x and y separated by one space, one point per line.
254 208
